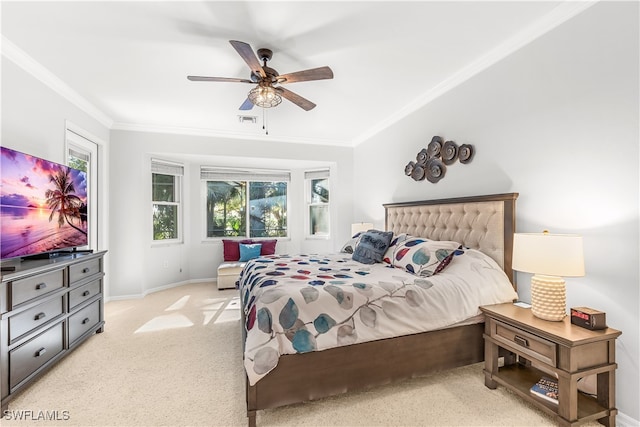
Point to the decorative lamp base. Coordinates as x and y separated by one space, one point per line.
548 297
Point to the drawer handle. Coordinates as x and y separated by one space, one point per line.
86 293
39 316
41 352
521 341
86 270
85 320
41 286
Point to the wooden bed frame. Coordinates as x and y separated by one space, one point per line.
486 223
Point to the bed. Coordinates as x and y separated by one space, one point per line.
481 223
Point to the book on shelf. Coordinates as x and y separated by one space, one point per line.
546 388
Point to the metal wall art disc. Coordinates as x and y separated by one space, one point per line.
434 147
418 173
435 170
409 168
422 157
465 153
449 152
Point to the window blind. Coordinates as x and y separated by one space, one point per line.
211 173
166 168
319 174
79 155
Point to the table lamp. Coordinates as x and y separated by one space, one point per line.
359 227
549 257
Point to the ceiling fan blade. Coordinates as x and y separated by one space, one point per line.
218 79
246 105
245 51
320 73
301 102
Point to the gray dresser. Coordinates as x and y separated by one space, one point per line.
47 308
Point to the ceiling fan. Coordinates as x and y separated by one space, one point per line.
268 92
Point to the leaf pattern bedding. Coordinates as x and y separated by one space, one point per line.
297 304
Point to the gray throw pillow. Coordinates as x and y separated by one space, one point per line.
372 246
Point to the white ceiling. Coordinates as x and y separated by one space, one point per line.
126 62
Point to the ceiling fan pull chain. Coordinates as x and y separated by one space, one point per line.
265 121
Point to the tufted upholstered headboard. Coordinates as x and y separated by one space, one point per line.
486 223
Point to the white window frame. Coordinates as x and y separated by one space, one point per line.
308 177
215 173
80 146
165 167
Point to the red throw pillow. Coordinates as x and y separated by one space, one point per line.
231 249
268 246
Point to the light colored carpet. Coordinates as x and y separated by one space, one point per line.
174 359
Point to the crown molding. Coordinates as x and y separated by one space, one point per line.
37 70
134 127
560 14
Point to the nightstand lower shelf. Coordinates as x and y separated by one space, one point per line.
519 379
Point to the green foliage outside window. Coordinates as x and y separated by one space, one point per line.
77 163
165 207
227 209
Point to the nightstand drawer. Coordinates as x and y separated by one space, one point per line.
27 289
531 345
83 321
84 269
26 359
34 317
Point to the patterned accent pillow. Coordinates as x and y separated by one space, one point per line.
250 251
424 257
372 246
351 244
393 246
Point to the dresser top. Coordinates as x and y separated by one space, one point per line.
30 267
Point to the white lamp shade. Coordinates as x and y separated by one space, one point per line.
359 227
548 254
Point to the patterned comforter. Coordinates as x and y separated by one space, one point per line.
297 304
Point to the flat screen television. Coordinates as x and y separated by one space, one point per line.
43 207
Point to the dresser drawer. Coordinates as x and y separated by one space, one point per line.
35 317
84 292
84 269
531 345
83 320
32 287
26 359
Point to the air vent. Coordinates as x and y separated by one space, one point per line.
248 119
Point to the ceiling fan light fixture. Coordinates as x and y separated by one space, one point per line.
264 96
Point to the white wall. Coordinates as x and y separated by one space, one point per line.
138 266
557 122
34 119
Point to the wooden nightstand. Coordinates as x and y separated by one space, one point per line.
533 348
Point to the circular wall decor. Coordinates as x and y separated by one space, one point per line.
435 170
409 168
434 147
418 173
465 153
431 162
449 152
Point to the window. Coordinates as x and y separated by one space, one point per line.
317 189
82 154
245 203
166 186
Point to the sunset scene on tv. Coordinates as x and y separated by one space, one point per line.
43 205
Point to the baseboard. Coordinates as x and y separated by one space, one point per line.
623 420
161 288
